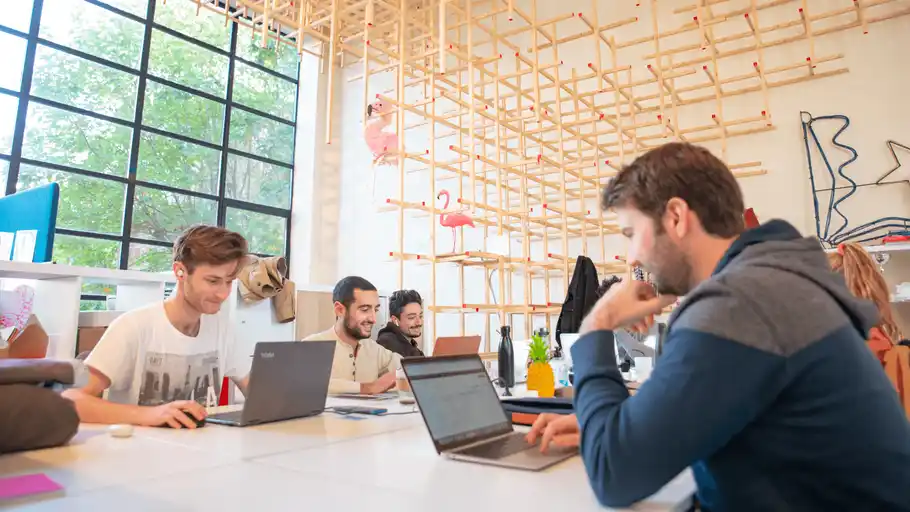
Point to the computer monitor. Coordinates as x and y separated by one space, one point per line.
32 213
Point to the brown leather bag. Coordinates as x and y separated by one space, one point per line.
33 417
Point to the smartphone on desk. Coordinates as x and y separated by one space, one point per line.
357 409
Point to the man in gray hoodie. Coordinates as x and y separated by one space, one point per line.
765 387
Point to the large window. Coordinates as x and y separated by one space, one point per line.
151 118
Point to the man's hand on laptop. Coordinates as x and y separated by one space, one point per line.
174 414
380 385
557 430
631 305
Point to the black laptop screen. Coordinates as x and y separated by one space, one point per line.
457 400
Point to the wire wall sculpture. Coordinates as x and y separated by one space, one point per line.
870 231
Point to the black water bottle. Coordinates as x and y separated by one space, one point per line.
506 360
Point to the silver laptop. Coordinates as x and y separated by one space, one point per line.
465 418
288 380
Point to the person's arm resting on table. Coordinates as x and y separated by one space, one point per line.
704 390
112 361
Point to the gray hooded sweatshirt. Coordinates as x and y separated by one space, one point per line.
766 389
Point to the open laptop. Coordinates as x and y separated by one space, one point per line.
465 418
289 379
456 345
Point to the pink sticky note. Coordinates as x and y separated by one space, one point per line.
27 485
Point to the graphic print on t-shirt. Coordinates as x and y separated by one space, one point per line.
170 377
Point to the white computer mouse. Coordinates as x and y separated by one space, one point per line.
120 430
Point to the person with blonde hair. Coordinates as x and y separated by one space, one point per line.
866 282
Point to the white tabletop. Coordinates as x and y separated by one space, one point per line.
328 462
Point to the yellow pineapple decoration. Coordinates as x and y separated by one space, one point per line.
540 373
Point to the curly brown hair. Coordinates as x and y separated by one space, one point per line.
865 281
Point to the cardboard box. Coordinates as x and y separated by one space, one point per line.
30 343
87 338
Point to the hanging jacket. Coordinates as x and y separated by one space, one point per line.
580 299
263 278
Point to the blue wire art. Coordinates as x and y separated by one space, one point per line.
870 231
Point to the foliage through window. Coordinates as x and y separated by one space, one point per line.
205 135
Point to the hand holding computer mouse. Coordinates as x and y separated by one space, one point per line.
179 414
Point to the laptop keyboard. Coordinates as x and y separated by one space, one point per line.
500 448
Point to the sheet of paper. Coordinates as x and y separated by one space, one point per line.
26 485
6 246
24 247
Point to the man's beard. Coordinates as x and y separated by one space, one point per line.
353 330
671 270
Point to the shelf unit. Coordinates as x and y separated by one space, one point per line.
58 289
491 102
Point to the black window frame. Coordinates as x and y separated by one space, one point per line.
126 238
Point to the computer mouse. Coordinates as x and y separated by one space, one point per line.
199 423
120 430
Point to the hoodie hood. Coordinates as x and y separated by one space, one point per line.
778 245
394 329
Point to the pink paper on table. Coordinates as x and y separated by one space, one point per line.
27 485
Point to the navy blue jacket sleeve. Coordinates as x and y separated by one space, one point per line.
702 391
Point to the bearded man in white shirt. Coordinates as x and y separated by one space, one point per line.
163 363
361 365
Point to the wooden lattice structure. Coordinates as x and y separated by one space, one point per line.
485 93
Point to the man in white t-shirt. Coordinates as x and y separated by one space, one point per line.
361 365
163 363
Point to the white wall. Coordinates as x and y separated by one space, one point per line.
338 231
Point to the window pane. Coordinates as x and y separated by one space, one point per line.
178 164
86 204
150 258
4 173
60 137
258 182
173 110
260 136
92 305
137 7
283 60
86 252
99 289
160 215
259 90
12 59
17 14
265 233
188 64
93 30
207 26
9 105
84 84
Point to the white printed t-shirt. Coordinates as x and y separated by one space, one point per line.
150 362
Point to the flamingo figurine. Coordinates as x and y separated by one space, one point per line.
453 220
383 145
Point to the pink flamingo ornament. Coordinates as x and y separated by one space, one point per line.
453 220
383 145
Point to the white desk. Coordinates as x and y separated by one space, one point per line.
322 463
